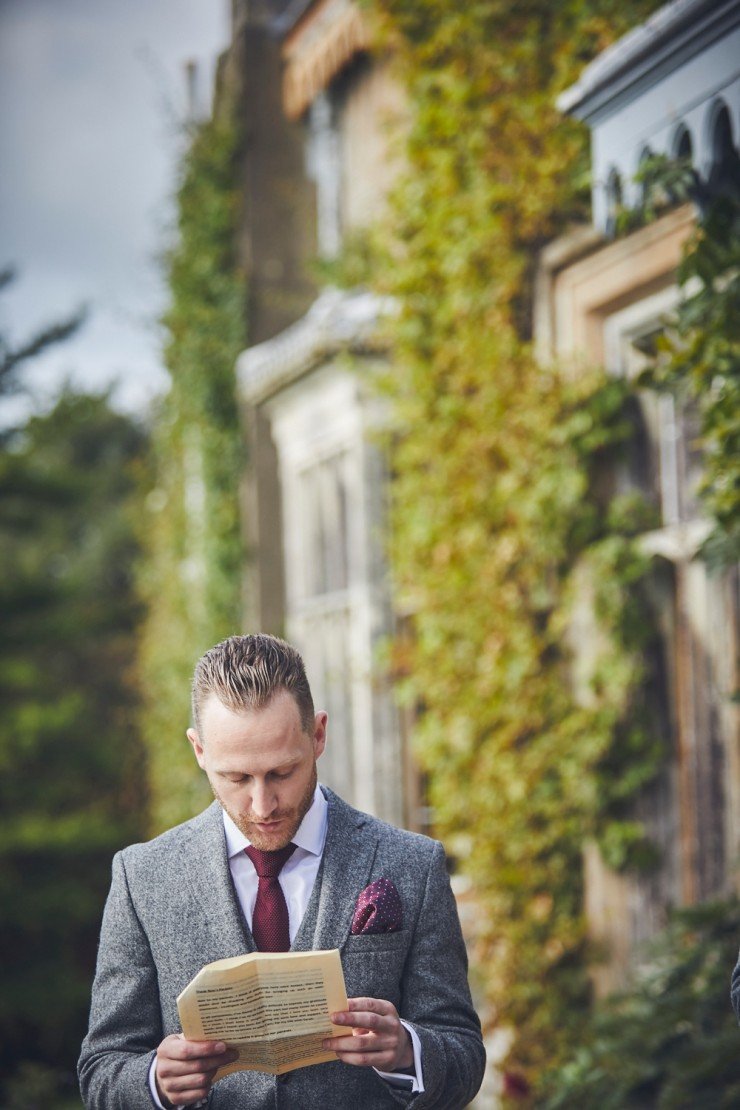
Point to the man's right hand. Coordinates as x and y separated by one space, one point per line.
185 1069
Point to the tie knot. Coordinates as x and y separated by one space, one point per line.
268 865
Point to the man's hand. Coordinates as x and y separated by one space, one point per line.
378 1039
185 1069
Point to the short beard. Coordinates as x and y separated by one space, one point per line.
255 837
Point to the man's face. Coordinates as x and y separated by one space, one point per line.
261 765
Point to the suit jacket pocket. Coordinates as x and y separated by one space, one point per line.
376 942
373 964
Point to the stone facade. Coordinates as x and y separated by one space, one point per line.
672 87
321 113
317 109
601 302
311 385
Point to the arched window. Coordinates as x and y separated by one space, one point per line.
614 200
646 186
682 148
724 175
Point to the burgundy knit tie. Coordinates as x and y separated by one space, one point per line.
270 917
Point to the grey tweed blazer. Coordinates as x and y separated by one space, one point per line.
172 908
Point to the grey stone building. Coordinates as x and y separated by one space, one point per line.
318 109
670 87
321 111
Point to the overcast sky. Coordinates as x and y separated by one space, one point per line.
91 94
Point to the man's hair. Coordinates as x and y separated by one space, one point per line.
246 672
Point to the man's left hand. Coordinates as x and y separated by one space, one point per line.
378 1039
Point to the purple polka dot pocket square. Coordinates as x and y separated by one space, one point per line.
378 909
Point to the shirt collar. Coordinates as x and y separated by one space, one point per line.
310 835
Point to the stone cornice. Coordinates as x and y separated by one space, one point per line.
339 320
683 26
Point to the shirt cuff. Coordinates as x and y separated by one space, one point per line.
400 1079
153 1089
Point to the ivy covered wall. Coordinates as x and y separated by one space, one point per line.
191 577
499 499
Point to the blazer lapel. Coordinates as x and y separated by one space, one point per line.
345 871
212 891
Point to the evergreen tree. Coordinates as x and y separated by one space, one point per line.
13 356
71 788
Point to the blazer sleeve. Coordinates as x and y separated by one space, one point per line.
735 989
436 999
125 1019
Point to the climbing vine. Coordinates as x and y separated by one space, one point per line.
500 503
191 577
698 360
671 1040
696 357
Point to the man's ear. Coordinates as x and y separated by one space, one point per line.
319 733
194 739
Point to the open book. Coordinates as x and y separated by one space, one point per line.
273 1007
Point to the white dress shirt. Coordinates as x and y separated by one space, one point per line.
297 879
298 874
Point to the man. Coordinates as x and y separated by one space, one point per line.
348 881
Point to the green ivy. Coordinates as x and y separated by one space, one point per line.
697 356
501 506
670 1042
191 578
699 362
664 183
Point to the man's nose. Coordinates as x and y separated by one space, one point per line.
263 800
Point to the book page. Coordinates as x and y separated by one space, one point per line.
272 1007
